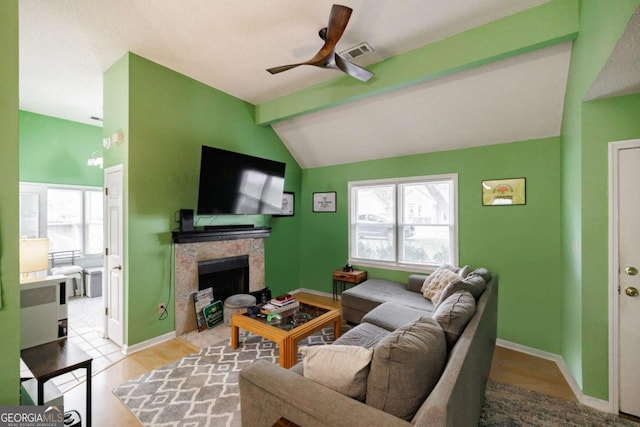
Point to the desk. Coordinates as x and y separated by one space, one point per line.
340 278
49 360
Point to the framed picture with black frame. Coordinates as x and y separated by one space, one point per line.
288 204
324 201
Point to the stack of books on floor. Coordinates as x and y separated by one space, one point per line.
280 304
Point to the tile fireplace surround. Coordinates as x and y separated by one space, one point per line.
186 262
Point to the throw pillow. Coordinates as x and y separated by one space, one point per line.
474 283
343 368
439 281
430 277
453 314
406 366
464 271
483 272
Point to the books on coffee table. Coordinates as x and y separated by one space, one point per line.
282 300
269 308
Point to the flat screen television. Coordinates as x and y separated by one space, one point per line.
234 183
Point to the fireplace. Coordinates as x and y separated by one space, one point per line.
227 276
189 256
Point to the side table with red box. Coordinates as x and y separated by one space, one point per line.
341 278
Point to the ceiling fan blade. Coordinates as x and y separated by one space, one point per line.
338 20
276 70
352 69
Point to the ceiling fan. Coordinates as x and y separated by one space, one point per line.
327 56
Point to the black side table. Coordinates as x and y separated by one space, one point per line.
46 361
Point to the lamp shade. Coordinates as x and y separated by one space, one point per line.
34 255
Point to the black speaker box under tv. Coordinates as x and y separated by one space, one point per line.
186 219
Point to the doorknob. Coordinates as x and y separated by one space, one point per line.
117 267
631 271
631 291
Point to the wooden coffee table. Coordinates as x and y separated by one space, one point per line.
286 334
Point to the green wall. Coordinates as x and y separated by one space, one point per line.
54 150
586 129
167 117
521 243
9 279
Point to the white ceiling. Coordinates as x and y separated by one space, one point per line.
66 45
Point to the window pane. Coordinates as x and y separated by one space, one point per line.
30 215
427 245
427 202
64 219
93 222
373 219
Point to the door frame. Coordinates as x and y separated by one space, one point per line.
106 285
615 148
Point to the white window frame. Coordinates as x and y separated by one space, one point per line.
397 217
42 189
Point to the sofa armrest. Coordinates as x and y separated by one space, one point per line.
268 392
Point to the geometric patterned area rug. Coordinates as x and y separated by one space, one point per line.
201 389
506 405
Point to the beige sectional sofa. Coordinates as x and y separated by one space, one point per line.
429 363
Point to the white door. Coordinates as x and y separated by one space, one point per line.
627 180
114 238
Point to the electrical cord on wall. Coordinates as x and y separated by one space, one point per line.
165 313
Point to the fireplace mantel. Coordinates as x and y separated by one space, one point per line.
221 233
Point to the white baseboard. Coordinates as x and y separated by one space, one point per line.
148 343
312 291
599 404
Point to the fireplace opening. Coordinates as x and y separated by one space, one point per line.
227 276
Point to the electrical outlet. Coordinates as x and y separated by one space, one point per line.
162 307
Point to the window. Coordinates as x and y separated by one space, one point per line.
406 224
70 216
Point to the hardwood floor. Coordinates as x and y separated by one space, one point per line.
508 366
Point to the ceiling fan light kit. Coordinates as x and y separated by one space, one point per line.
327 56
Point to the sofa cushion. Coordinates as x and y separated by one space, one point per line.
474 283
364 335
343 368
453 314
415 282
435 283
391 315
406 366
414 300
368 295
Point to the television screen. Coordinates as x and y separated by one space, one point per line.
234 183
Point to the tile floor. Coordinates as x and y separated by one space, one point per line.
85 330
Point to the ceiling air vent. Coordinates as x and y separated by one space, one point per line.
356 51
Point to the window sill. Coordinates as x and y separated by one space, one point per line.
411 268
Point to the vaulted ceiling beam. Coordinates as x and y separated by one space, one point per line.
551 23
